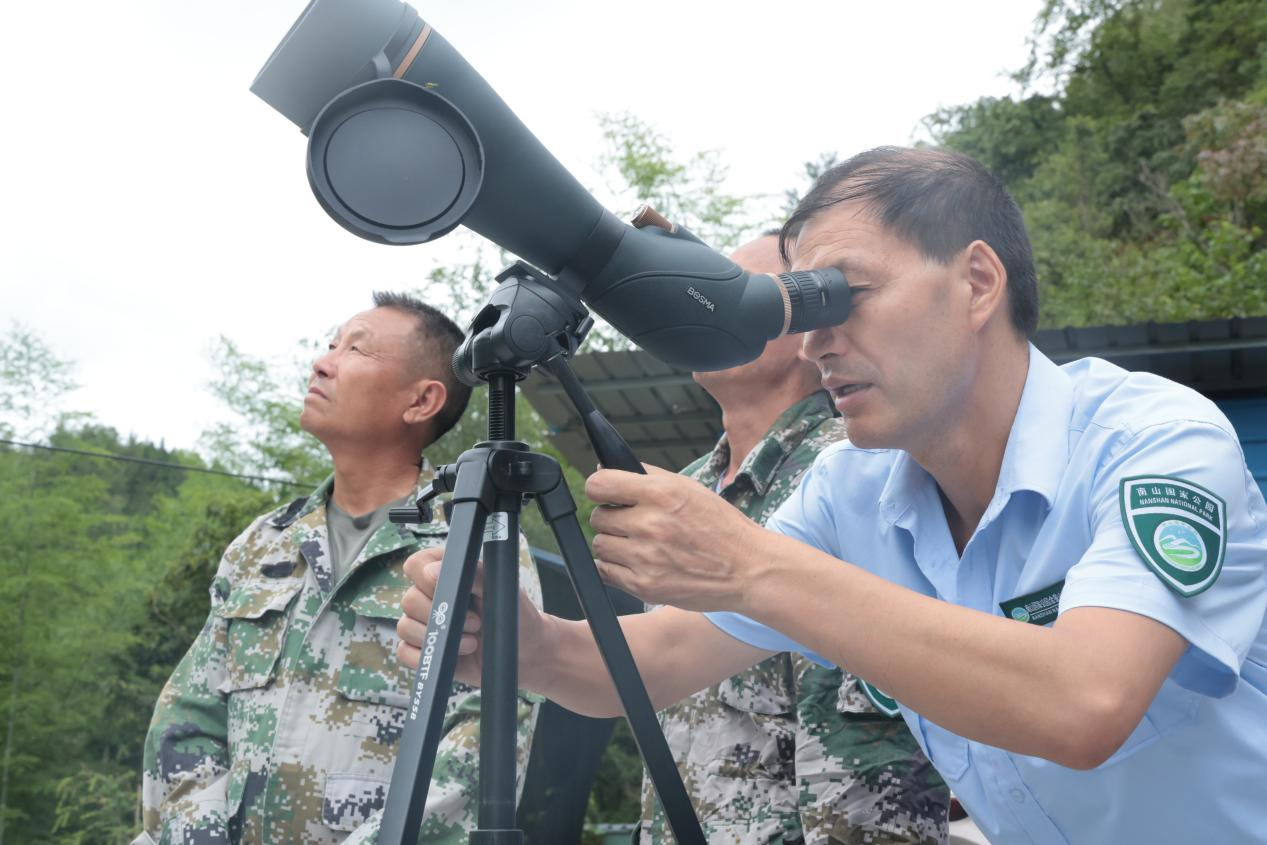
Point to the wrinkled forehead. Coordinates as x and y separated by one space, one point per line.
383 327
845 234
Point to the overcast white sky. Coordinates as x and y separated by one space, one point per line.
151 202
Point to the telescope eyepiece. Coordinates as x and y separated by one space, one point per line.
815 299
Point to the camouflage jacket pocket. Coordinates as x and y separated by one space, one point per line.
370 670
255 611
350 799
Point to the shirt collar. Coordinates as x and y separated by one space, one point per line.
305 505
906 483
781 440
1037 451
1036 454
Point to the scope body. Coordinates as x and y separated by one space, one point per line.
407 140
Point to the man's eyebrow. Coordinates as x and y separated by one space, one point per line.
853 266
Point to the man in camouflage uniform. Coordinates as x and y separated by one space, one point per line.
281 723
788 751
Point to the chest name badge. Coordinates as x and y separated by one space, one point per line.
1036 608
1178 528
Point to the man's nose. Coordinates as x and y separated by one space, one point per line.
819 343
324 366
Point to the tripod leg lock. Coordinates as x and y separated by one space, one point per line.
525 472
422 512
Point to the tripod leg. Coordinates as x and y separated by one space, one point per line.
559 510
411 777
499 681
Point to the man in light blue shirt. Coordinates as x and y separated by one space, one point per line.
1057 572
1055 531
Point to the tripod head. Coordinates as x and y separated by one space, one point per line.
527 321
530 322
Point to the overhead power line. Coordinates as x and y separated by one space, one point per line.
166 465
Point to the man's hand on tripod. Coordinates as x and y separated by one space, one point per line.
423 568
673 541
677 651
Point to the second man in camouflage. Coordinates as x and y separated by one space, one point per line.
282 722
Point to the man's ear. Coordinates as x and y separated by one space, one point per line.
987 280
428 399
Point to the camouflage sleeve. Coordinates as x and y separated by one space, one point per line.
186 759
453 799
860 775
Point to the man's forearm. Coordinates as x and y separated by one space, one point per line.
1053 692
569 671
677 653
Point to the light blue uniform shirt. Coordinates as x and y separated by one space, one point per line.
1195 770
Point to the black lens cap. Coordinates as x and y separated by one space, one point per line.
394 162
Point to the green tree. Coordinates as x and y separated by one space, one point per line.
1008 136
1060 36
642 168
1229 143
1141 174
184 536
65 573
33 381
96 807
102 601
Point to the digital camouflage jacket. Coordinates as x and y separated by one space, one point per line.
280 725
789 751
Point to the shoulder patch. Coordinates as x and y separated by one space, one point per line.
287 516
1179 529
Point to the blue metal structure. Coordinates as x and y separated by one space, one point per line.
1249 417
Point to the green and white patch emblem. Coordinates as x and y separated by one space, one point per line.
1178 528
884 703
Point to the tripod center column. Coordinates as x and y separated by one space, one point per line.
501 406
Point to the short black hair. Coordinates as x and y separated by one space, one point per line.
938 200
438 337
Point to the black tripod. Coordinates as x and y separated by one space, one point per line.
526 323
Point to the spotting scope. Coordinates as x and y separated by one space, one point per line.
406 141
